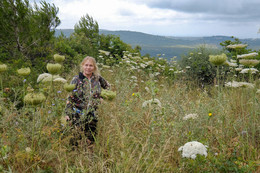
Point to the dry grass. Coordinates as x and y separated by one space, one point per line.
136 139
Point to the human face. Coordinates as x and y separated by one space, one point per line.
88 68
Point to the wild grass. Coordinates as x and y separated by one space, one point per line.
133 138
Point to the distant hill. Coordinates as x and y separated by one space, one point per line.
170 46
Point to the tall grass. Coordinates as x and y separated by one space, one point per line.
133 138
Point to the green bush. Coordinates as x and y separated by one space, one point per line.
197 66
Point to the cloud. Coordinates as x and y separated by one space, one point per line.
166 17
216 9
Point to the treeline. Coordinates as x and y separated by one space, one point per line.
27 37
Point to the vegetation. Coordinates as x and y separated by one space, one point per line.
157 107
170 46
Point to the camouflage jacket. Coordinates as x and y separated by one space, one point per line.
86 95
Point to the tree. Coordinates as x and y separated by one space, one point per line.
90 28
25 29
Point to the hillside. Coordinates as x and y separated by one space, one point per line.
170 46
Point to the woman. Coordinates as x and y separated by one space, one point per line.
82 104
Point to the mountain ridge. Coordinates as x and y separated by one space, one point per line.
170 46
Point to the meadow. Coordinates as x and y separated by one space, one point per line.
142 129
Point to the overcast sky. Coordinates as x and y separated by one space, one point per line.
240 18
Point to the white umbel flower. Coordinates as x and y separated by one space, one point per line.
245 56
47 77
60 79
152 102
236 84
190 116
191 149
251 70
43 76
237 46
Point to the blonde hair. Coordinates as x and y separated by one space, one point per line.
89 58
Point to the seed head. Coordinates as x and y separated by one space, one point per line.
108 95
69 87
218 59
53 68
34 98
24 71
59 58
3 68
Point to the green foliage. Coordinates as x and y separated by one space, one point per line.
90 29
197 65
26 31
88 26
234 52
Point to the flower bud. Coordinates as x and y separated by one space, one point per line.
34 98
218 59
3 68
59 58
53 68
69 87
24 71
108 95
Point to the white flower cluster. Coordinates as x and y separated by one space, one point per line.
237 46
190 116
249 55
152 102
231 64
191 149
47 77
251 70
236 84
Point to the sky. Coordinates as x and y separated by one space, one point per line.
239 18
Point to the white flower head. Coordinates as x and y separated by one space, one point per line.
191 149
231 64
237 46
249 62
152 102
43 76
246 56
104 52
143 65
190 116
251 70
60 79
147 89
28 149
236 84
